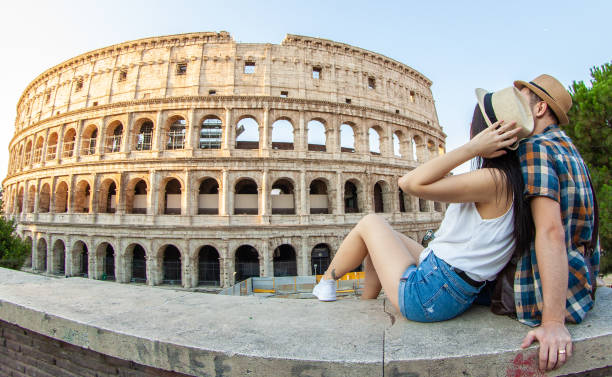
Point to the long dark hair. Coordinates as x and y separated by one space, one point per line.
507 171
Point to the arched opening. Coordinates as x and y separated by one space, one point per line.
139 265
136 198
44 198
211 133
247 134
172 197
108 197
417 147
402 202
208 266
320 257
423 205
109 263
113 137
176 133
59 258
61 198
20 200
80 262
319 202
383 197
28 261
208 197
52 146
90 137
378 198
28 154
171 267
431 149
374 141
351 202
41 253
144 136
440 150
438 207
347 138
316 136
82 197
284 261
247 263
282 135
38 150
246 199
31 198
282 197
68 145
397 146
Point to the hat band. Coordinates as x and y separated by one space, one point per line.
542 89
488 106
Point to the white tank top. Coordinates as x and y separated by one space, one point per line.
480 247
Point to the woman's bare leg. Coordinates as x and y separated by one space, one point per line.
389 254
371 286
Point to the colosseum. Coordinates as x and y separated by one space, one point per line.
195 160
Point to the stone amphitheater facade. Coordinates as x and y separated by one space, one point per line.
132 162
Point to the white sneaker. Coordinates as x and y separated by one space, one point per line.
325 290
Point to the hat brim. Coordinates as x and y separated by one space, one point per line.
480 93
561 115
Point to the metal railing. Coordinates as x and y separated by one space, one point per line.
51 152
89 146
37 155
209 274
176 140
285 268
67 149
172 272
139 271
113 144
143 142
245 270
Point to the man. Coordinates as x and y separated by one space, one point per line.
552 283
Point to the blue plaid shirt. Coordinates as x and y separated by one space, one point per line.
552 167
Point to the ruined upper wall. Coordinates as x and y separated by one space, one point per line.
203 64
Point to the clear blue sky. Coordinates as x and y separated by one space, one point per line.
459 45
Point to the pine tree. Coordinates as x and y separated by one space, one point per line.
591 130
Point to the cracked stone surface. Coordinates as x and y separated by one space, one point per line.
203 334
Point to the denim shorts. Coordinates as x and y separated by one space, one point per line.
434 292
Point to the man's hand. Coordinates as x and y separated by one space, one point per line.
553 337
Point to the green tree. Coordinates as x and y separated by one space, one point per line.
591 130
13 250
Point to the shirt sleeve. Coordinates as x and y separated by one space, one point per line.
539 173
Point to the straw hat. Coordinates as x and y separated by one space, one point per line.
508 105
552 92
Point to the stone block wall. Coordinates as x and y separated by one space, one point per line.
26 353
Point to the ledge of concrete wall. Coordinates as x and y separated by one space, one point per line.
202 334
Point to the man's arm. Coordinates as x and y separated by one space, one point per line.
553 268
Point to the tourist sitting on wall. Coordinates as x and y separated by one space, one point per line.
486 222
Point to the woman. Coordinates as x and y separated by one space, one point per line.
481 229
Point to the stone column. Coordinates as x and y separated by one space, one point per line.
229 135
302 134
187 203
78 139
266 266
304 266
265 135
158 135
224 197
37 195
186 266
190 144
264 195
339 193
69 265
126 139
153 193
71 193
303 208
60 144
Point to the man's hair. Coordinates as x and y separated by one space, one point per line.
534 98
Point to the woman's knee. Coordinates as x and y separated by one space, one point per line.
371 219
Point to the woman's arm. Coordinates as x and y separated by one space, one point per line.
429 181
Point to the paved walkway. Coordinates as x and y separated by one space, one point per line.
204 334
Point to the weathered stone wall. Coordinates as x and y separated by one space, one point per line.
26 353
80 153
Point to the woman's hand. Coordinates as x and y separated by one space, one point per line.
490 143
